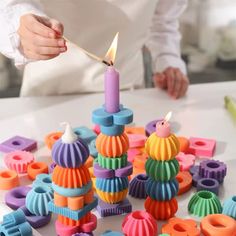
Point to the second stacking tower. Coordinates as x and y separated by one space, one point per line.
111 167
71 182
162 168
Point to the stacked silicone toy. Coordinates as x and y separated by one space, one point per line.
71 182
162 168
111 168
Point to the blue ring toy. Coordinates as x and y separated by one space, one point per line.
113 130
72 192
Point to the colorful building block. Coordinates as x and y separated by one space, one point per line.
18 143
8 179
202 147
186 161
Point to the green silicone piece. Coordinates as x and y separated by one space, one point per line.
112 163
163 235
204 203
162 170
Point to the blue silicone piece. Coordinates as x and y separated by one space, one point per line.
37 200
162 191
103 118
112 185
72 192
85 133
92 148
43 180
113 130
14 224
74 215
112 233
229 207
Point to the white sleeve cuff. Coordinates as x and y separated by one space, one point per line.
165 61
12 14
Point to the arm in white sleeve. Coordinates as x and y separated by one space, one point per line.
10 13
164 37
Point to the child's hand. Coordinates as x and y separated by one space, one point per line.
41 37
173 80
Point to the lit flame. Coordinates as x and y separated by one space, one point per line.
168 116
111 53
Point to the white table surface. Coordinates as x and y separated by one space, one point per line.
201 114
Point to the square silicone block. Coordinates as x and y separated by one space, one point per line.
202 146
18 143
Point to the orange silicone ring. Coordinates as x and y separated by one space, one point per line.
69 222
71 177
89 162
176 227
8 179
51 138
218 225
112 146
184 144
185 181
36 168
161 210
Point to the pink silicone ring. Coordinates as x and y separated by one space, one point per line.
18 160
65 230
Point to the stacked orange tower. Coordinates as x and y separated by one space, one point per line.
71 182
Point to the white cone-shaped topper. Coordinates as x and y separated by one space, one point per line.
69 136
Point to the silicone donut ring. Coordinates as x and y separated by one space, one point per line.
185 181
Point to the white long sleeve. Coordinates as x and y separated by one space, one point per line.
10 13
164 37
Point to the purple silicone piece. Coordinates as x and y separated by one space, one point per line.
100 172
151 127
82 234
15 198
105 209
213 169
36 221
208 184
70 155
18 143
137 186
125 171
194 169
51 167
196 178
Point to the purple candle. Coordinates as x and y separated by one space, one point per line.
112 93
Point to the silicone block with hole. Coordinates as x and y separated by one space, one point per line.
139 223
136 140
36 168
181 227
37 200
18 143
15 198
105 209
18 160
202 146
14 224
8 179
218 225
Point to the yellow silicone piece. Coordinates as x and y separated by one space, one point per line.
162 149
112 197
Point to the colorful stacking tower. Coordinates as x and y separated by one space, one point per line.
71 182
162 168
111 168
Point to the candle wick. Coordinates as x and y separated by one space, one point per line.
162 122
105 62
111 63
